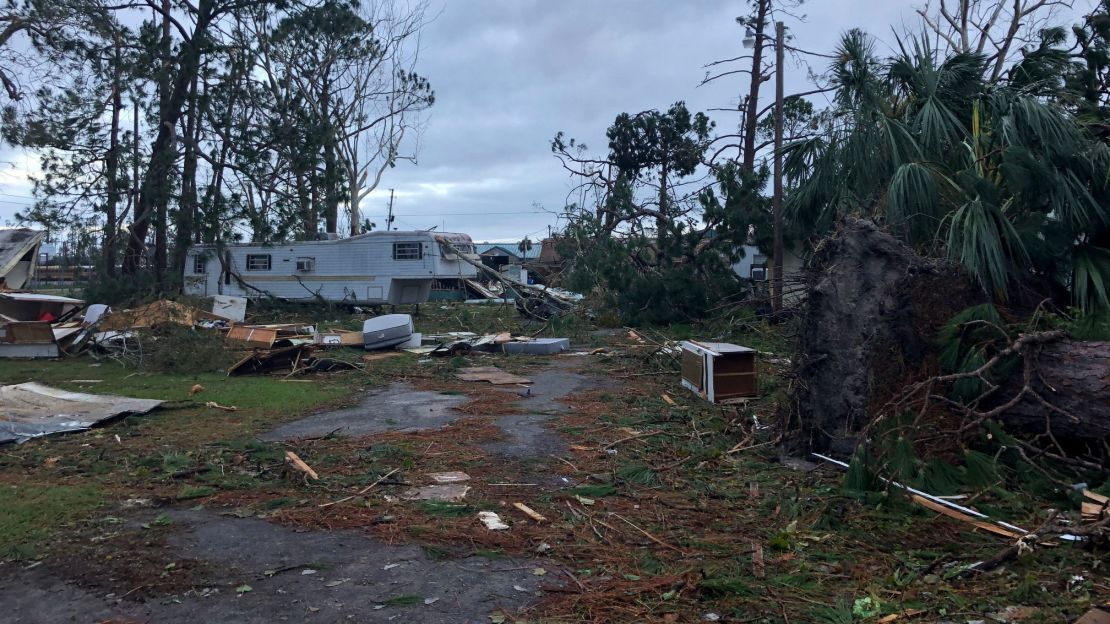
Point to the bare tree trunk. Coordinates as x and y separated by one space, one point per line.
354 184
331 169
186 215
110 208
751 116
154 193
662 198
306 201
161 222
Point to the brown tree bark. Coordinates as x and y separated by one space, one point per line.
751 116
154 192
112 171
1074 377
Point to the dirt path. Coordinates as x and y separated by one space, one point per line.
251 570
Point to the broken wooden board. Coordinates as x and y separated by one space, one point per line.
287 358
492 374
1094 510
531 513
254 336
957 515
296 462
28 332
340 338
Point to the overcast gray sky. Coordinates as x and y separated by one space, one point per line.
509 74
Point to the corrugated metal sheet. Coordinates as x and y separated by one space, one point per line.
30 410
511 249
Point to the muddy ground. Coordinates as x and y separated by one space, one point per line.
244 569
657 506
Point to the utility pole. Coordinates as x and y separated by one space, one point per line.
389 220
776 201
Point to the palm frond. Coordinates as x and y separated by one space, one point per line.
984 242
1091 276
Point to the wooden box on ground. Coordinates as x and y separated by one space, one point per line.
719 372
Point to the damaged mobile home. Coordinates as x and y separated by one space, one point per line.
377 268
19 255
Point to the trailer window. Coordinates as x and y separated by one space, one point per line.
258 262
200 265
408 251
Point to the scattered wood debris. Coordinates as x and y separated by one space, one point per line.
531 513
293 460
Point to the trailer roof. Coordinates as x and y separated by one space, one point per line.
14 244
395 234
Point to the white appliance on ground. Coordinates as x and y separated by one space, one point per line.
388 330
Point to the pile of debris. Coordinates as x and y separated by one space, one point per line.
36 325
48 326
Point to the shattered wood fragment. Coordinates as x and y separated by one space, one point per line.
1094 510
1098 498
758 568
668 400
296 462
952 513
531 513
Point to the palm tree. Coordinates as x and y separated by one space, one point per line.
524 246
992 175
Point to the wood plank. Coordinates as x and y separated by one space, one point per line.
492 374
257 336
958 515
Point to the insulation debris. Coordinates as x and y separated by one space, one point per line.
492 521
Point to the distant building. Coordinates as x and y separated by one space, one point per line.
497 255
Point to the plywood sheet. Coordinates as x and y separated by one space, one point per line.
492 374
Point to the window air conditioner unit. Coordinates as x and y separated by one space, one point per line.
306 265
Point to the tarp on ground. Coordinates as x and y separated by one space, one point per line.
29 410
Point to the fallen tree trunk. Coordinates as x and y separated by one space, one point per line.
1073 378
867 352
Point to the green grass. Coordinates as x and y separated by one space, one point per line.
195 491
254 392
29 514
409 599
